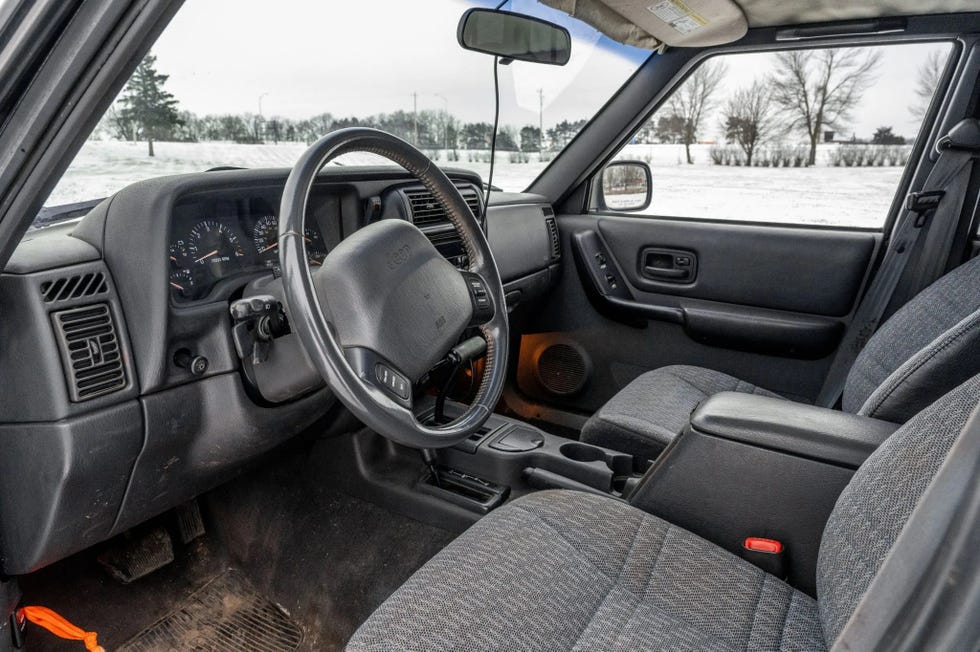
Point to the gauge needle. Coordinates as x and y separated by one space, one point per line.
206 256
272 246
179 287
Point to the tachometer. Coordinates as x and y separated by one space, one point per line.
214 244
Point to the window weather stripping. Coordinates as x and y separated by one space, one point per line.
863 27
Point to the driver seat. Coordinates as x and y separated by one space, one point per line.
563 570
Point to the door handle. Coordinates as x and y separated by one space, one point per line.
665 272
668 265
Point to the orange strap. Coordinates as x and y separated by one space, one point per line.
60 627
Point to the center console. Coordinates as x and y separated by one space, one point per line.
754 466
746 466
507 458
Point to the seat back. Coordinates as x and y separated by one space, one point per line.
927 348
877 503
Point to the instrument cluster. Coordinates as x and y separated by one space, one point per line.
213 239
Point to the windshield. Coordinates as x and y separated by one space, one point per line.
249 84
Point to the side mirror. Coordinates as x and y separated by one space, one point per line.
514 36
626 186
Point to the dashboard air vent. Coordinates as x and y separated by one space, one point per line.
90 350
73 287
555 238
473 201
427 211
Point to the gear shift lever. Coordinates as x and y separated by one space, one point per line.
429 456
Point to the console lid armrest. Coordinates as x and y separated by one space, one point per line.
805 430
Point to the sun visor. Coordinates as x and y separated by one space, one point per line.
651 23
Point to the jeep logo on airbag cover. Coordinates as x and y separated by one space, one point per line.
399 256
389 290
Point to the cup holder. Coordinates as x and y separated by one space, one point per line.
579 452
618 463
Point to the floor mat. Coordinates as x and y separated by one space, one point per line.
328 558
226 614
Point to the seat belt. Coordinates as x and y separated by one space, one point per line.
957 152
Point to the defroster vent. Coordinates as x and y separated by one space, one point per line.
73 287
555 238
90 351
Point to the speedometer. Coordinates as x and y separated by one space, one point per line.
215 245
265 235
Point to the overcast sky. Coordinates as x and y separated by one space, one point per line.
370 56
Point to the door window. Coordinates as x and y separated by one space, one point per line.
818 136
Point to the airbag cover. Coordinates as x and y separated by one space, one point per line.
387 289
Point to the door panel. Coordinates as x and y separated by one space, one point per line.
766 304
813 271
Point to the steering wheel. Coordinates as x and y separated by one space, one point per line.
385 306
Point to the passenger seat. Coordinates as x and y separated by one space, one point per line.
928 347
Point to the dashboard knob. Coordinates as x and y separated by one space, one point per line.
197 365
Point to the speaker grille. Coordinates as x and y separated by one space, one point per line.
562 369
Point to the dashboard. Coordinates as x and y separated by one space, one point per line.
103 315
224 236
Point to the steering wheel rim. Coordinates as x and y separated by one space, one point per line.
352 382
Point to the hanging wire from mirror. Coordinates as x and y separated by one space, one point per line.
496 122
493 135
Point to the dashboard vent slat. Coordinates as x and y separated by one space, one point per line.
74 287
427 211
473 201
90 350
554 236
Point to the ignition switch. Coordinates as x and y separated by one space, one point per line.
258 320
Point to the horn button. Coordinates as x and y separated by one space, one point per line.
390 291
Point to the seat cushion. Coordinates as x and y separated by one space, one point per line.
650 412
874 508
564 570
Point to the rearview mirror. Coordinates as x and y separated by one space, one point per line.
626 186
514 36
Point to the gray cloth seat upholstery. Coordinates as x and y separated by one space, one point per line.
563 570
650 412
927 348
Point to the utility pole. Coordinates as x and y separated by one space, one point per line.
258 121
445 120
415 116
540 119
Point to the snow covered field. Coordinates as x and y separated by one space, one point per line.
818 195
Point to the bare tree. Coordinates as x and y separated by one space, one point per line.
695 99
820 88
929 75
749 117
